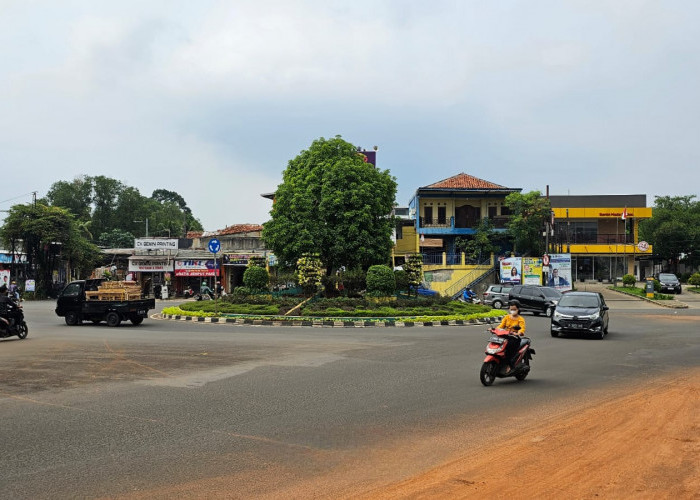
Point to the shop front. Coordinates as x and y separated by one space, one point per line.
150 271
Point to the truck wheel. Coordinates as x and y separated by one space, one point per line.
137 320
72 318
113 319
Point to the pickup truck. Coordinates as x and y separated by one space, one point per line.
73 307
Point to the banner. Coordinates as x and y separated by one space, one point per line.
560 274
196 268
5 278
511 270
30 286
532 271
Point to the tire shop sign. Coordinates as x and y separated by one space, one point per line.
208 267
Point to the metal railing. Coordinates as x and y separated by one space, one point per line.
467 280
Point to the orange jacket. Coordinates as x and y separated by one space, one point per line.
508 323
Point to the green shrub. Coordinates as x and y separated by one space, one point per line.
657 286
256 278
629 280
401 280
684 277
242 291
309 273
354 282
694 279
381 281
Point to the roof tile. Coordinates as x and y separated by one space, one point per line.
464 181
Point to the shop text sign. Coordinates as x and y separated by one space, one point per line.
196 268
150 266
155 244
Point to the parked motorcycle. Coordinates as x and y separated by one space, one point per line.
12 322
496 364
189 293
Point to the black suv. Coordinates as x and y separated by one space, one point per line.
579 312
670 283
536 299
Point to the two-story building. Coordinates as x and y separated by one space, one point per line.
603 245
441 212
239 243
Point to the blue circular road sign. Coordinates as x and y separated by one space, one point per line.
214 245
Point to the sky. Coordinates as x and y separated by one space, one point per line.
212 98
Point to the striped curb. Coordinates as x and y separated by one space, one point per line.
327 323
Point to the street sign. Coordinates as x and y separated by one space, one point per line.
643 246
545 260
214 245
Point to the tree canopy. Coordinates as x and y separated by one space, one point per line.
44 233
333 204
674 229
107 208
529 212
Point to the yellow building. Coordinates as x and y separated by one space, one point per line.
603 245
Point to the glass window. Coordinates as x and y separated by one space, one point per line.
72 290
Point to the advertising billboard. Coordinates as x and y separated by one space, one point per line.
560 271
532 271
153 265
511 270
196 267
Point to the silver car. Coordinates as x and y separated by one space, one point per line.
496 296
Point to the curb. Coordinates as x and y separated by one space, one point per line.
674 303
326 323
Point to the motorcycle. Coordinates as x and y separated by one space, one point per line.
469 297
496 365
188 292
12 322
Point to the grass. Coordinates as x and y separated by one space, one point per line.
360 308
694 289
640 292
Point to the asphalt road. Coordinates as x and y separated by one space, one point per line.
93 411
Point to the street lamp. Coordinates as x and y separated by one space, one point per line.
146 225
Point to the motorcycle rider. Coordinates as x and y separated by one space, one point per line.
515 324
6 306
469 295
206 290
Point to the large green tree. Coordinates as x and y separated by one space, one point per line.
333 204
674 229
480 245
529 212
48 235
104 205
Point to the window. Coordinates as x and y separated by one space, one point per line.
505 210
442 215
493 212
399 232
428 211
72 290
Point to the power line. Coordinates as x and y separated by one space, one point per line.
21 196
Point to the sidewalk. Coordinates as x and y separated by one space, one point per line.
617 300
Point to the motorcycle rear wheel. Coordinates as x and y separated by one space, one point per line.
521 375
23 331
488 373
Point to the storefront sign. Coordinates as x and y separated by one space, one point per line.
150 266
615 214
155 244
6 258
238 259
196 268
